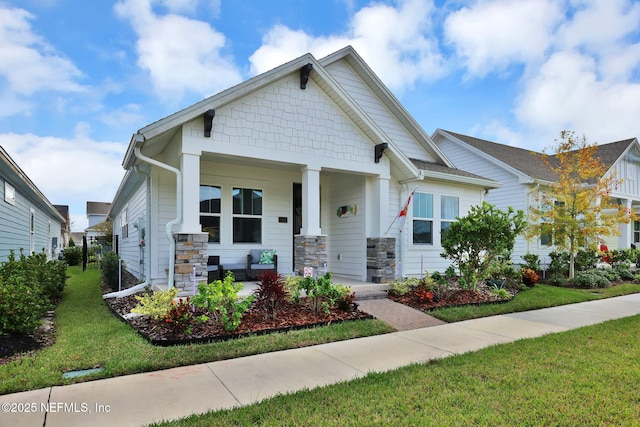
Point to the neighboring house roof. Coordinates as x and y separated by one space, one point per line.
22 182
434 170
529 162
98 208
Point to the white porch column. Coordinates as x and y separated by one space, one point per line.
379 207
626 230
190 167
310 202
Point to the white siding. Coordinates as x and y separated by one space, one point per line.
277 187
130 250
428 255
346 242
380 114
512 193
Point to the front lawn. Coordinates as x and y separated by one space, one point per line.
88 335
540 296
583 377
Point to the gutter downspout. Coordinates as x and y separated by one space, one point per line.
178 218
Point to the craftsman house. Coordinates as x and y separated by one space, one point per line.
28 221
521 173
313 160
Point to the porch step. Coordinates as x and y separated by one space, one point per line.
370 291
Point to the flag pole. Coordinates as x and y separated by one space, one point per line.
403 206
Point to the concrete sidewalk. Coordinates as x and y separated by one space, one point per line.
140 399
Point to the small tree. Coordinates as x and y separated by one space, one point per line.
577 209
475 241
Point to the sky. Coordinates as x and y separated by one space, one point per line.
78 78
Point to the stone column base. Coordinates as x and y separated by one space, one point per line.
381 259
191 249
310 251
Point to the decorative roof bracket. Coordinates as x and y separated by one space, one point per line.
304 75
379 149
208 122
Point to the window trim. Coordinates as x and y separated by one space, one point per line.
212 214
244 215
9 193
441 216
426 219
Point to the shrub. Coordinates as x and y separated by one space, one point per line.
72 255
109 269
271 291
500 293
403 286
557 279
503 271
423 295
559 263
624 272
36 271
439 278
590 279
292 287
322 293
586 259
21 305
475 241
531 261
157 305
220 298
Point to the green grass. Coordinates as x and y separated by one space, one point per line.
540 296
89 335
583 377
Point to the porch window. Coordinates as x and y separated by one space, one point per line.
449 211
422 218
247 215
636 232
210 202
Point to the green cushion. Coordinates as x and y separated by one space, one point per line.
266 256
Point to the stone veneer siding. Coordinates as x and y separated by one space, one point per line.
311 251
190 249
381 259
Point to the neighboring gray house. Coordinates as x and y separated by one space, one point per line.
28 221
314 159
521 173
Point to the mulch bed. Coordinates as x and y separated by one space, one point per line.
257 320
450 298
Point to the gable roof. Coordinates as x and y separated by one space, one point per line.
157 134
23 183
528 162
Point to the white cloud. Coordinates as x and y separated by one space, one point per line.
492 35
28 64
69 171
180 54
395 41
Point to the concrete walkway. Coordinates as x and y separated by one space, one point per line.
140 399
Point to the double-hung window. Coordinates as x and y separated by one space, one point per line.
247 215
124 224
449 211
423 218
210 202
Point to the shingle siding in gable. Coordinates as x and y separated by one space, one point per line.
285 118
374 108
